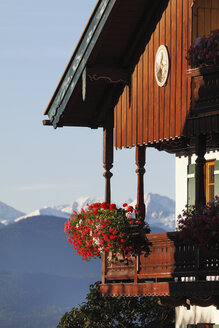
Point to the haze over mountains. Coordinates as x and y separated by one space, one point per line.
41 276
160 210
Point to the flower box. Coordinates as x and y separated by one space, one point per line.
204 90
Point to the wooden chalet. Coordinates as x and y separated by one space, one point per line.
144 95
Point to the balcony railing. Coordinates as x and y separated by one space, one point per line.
204 91
171 268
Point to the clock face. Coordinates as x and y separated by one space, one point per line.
161 66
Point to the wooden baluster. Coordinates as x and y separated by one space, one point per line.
140 162
136 269
104 268
200 170
107 160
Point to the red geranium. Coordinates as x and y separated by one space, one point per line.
112 206
104 227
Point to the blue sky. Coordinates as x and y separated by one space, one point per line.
39 165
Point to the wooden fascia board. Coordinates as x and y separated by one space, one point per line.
89 124
78 61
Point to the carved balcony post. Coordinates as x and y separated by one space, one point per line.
140 162
107 160
200 170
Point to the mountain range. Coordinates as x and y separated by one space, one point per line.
8 214
160 210
41 276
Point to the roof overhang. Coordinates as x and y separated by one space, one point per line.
78 61
103 61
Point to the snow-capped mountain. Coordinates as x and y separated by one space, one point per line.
8 214
160 210
63 211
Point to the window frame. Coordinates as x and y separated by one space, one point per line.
209 163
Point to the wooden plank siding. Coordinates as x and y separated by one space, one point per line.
190 18
186 33
145 91
150 93
156 133
162 90
215 15
140 102
135 106
172 76
157 113
179 72
168 88
205 18
149 113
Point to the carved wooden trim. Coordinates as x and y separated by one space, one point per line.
177 291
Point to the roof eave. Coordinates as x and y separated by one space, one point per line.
78 61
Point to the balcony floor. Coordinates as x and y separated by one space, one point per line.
173 289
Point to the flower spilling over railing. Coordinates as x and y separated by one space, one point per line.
102 227
200 225
205 50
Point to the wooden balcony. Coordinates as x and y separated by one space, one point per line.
171 268
204 91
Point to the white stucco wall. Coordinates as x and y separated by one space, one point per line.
181 178
208 156
196 314
181 184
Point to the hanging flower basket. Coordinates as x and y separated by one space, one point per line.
200 226
103 227
205 51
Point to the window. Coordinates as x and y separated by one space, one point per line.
209 180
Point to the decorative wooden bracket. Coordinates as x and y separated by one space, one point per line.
140 162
